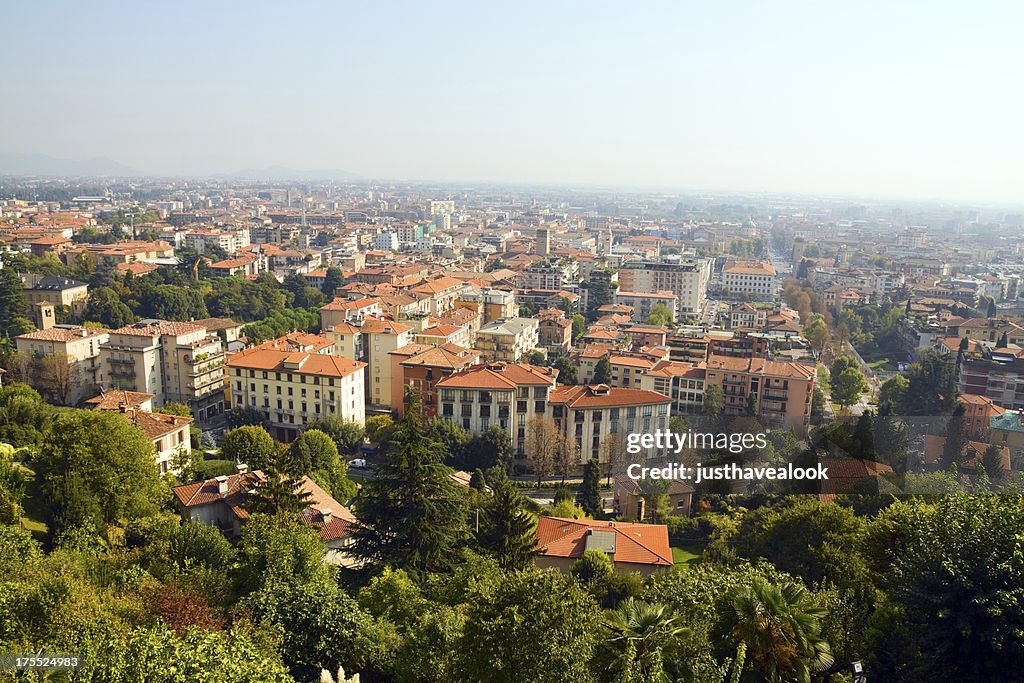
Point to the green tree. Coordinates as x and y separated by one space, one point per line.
953 569
590 494
992 459
816 333
848 386
537 358
566 370
659 315
781 628
377 427
347 435
276 552
96 468
195 543
891 395
641 635
714 401
579 327
602 372
955 445
490 448
315 453
106 307
530 627
278 495
180 409
506 528
593 566
931 386
413 515
13 302
332 280
251 445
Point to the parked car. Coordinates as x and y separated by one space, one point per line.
358 462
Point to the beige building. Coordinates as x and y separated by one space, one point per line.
687 278
172 442
509 340
371 340
71 371
492 304
507 395
292 388
597 413
175 361
57 290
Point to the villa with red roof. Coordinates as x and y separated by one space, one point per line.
631 547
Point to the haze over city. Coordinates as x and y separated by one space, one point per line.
875 99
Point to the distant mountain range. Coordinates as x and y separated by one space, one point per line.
45 165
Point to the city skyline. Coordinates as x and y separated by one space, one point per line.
875 101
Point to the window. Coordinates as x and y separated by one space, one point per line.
447 409
467 410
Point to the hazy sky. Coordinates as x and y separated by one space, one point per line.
890 98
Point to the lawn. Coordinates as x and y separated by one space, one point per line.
883 365
686 555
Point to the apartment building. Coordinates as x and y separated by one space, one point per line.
247 263
681 382
177 362
551 273
422 366
594 414
989 330
371 341
492 304
509 340
508 395
687 278
554 332
292 388
751 278
72 371
743 316
228 241
442 293
341 310
781 390
436 335
997 373
643 302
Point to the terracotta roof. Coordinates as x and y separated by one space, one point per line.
844 474
749 268
603 396
63 334
297 341
158 328
311 363
499 376
156 425
439 285
441 331
340 304
973 452
761 366
634 543
444 356
115 398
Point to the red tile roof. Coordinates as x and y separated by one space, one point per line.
603 396
634 543
499 376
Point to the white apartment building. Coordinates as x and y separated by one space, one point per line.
508 340
755 278
687 278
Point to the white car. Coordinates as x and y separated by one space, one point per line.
358 462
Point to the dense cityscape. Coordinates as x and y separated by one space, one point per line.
257 429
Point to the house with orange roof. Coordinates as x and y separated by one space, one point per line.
342 310
220 502
631 547
444 334
170 434
69 365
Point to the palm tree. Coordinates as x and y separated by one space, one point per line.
640 632
781 628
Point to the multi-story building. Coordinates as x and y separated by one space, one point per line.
682 382
422 366
172 442
752 278
997 373
643 302
492 304
780 391
292 388
228 241
594 414
554 332
177 362
508 395
386 241
247 263
687 278
371 340
551 274
743 316
441 292
71 372
57 290
508 340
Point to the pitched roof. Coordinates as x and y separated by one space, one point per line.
634 543
156 425
749 268
499 375
156 328
444 356
603 396
63 334
115 398
761 366
308 363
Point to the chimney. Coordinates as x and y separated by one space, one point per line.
242 468
326 513
222 484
